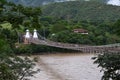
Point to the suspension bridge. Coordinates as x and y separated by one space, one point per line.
78 47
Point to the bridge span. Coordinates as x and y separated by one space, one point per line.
79 47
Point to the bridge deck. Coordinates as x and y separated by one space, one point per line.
84 48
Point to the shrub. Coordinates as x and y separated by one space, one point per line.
110 63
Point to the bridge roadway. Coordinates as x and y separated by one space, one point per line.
79 47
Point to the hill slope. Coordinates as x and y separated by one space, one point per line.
77 10
43 2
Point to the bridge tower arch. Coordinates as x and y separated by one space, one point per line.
35 35
27 37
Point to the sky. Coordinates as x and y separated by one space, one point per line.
114 2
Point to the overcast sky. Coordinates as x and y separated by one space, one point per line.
114 2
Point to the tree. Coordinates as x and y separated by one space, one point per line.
116 28
58 27
13 67
110 63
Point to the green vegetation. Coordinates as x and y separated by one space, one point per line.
12 67
43 2
110 63
101 21
56 23
30 2
102 29
100 33
81 10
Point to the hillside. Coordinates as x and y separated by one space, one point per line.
77 10
43 2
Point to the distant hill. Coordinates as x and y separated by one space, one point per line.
81 10
43 2
76 9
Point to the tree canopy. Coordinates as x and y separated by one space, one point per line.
82 10
12 66
110 63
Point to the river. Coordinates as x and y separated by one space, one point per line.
67 67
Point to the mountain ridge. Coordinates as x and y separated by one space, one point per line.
82 11
44 2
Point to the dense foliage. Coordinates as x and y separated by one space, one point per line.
12 67
44 2
100 33
57 23
15 19
110 63
81 10
101 21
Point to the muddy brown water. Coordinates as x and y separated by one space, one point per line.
67 67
